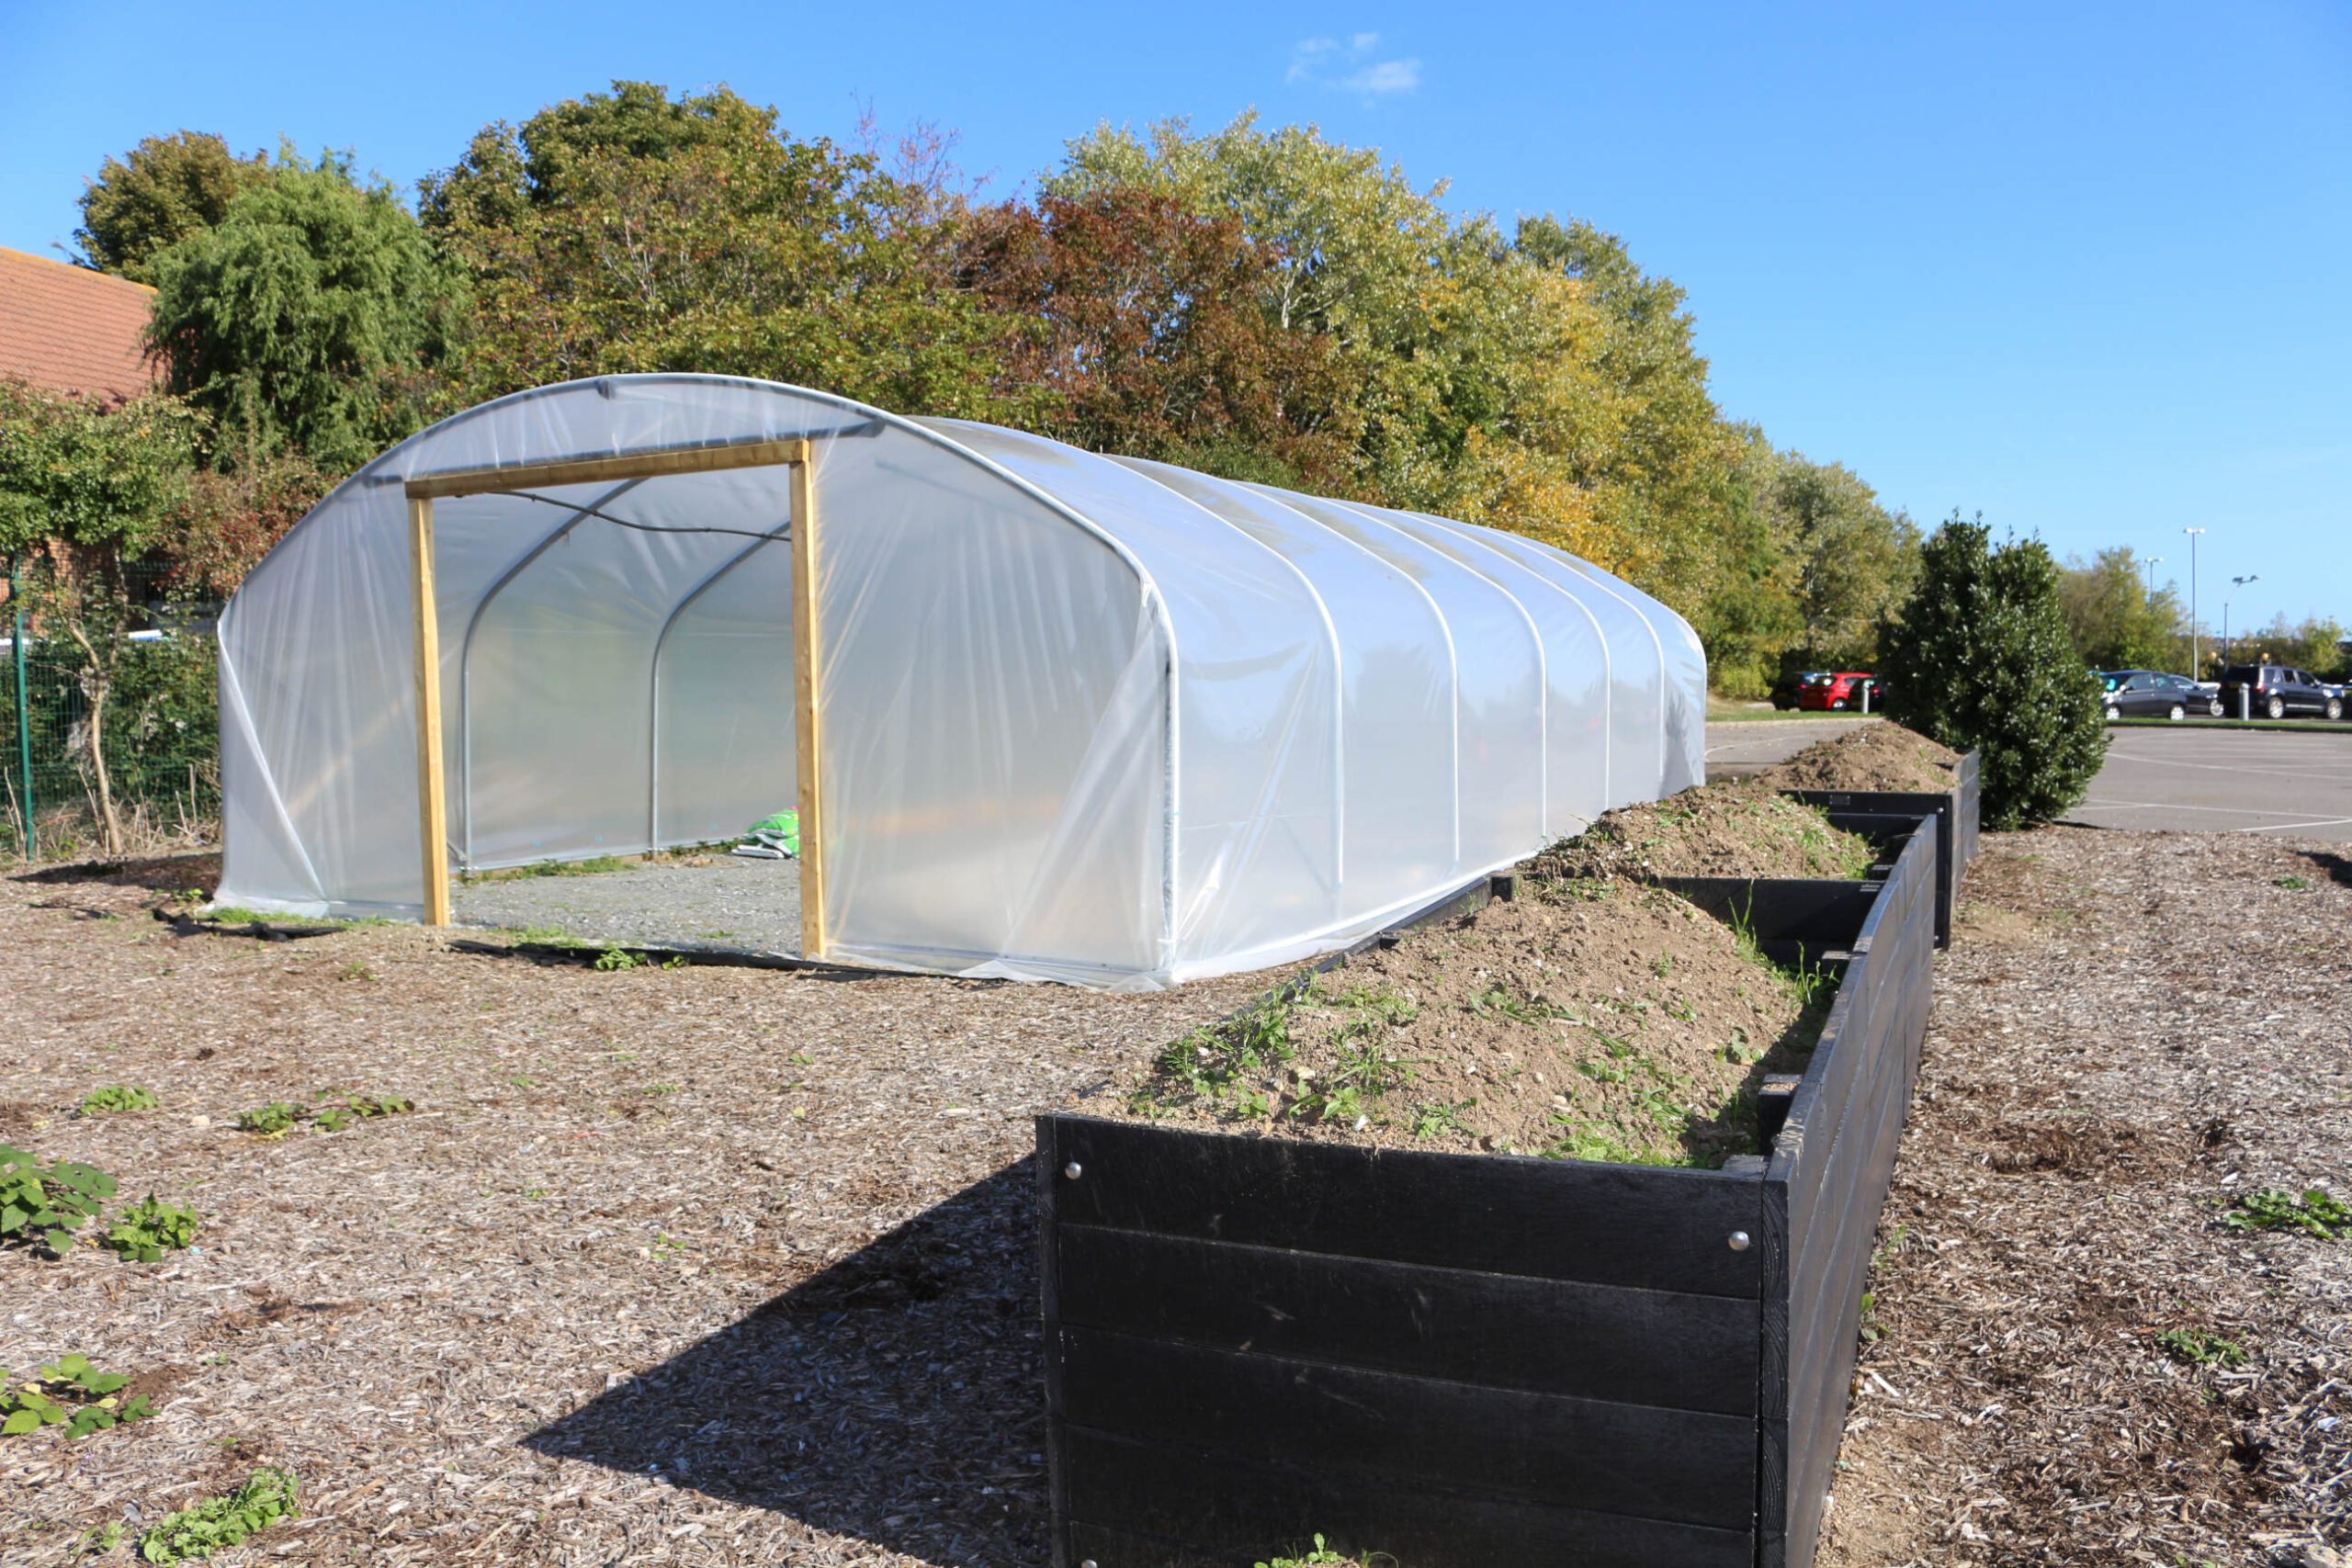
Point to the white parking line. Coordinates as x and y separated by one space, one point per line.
2291 827
2208 767
2168 806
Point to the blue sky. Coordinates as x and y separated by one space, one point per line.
2084 267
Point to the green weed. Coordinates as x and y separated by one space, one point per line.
1432 1118
614 960
71 1393
42 1209
271 1121
2316 1214
1220 1060
217 1523
1498 1000
594 865
362 1108
355 970
148 1229
116 1097
2198 1348
2291 884
1358 1079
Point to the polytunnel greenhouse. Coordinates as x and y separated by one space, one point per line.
1045 714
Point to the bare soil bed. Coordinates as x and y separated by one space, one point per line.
1584 1019
702 1266
1874 756
1738 827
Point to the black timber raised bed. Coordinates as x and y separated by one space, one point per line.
1465 1360
1955 811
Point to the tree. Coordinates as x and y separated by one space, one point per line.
2116 621
1978 657
1143 322
86 496
1854 559
309 318
632 232
161 192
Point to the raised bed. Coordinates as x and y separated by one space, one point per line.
1464 1361
1955 811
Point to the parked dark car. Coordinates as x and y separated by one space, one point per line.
2278 690
1838 691
1785 690
2152 694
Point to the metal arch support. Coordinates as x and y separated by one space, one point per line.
653 679
466 646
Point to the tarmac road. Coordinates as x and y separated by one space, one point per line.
2201 779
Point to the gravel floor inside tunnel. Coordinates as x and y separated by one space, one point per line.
701 901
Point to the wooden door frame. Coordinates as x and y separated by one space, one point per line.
794 454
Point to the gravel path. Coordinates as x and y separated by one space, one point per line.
724 902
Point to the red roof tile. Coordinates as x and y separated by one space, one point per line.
68 329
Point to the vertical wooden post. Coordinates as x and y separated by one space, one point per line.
807 685
432 812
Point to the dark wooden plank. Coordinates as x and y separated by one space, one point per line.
1685 1465
1224 1509
1819 912
1772 1374
1680 1351
1655 1228
1050 1303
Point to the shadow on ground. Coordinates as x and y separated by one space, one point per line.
899 1396
2337 868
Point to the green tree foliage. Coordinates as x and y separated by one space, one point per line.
1980 657
158 194
86 496
307 320
2117 623
1854 558
2313 644
629 231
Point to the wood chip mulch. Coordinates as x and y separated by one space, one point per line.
700 1266
2130 1030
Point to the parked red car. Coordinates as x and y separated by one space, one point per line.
1839 691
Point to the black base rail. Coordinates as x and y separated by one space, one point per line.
1462 1360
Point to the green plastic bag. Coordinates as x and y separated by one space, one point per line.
780 831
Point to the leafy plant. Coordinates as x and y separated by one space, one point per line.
1321 1554
2198 1348
355 970
271 1121
71 1393
1432 1118
116 1096
2291 884
43 1209
217 1523
2317 1213
614 959
150 1228
361 1108
1221 1060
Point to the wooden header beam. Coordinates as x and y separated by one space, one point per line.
425 489
654 463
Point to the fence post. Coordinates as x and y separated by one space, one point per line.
23 713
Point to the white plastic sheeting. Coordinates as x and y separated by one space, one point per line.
1085 718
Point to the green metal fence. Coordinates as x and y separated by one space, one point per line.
159 732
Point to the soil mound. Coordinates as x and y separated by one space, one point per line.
1584 1019
1872 756
1740 827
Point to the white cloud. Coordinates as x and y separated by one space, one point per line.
1353 66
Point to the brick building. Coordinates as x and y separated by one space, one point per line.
67 329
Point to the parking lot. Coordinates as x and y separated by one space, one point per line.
2217 780
2192 779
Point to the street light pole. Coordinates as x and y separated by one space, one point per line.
2149 563
2235 583
2196 672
